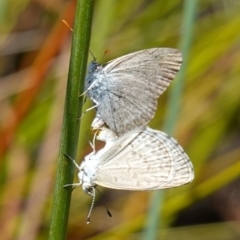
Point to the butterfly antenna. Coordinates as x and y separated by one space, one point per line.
92 55
68 26
106 51
94 141
91 208
108 212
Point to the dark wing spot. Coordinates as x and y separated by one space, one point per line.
135 175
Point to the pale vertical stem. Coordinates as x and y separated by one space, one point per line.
189 13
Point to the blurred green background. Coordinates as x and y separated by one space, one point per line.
34 55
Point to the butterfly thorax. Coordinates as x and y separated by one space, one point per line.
87 173
96 82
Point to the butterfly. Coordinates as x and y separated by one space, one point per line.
125 90
142 159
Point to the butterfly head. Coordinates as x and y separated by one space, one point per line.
94 67
88 188
85 180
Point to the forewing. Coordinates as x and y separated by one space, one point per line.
133 84
152 160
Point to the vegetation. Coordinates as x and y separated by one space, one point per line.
34 51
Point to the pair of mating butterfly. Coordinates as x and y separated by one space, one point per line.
135 157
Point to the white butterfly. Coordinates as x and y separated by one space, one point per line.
125 90
142 159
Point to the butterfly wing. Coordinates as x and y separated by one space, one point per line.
116 145
131 85
152 160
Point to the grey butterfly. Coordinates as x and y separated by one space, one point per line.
125 90
142 159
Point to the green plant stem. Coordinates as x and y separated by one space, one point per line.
71 123
189 13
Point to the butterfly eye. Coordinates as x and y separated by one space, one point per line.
93 67
96 68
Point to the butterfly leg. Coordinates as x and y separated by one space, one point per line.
89 109
84 92
74 162
94 141
92 144
89 88
72 185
